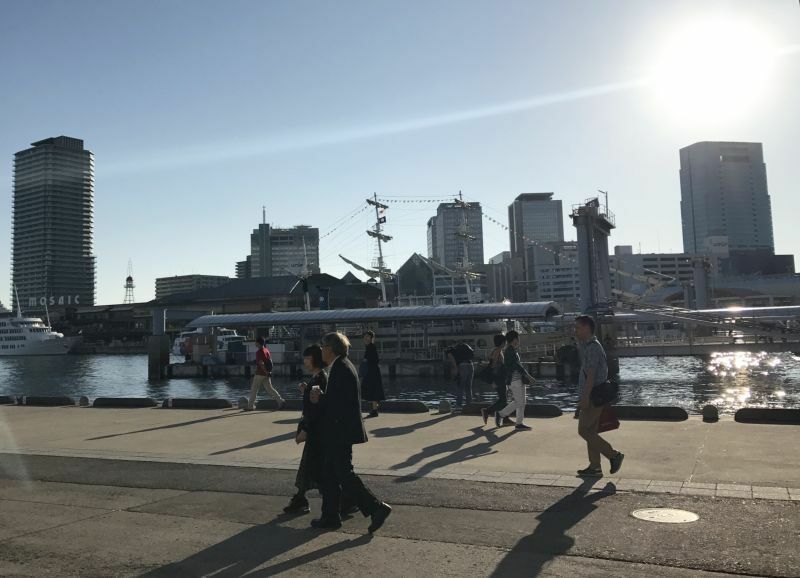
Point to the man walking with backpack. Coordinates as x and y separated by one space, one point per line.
594 371
263 376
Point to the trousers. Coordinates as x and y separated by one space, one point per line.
338 476
466 373
264 381
518 403
588 421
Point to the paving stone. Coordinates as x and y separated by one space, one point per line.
663 489
734 487
666 483
734 494
697 492
700 485
770 493
635 481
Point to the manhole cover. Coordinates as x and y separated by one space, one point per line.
665 515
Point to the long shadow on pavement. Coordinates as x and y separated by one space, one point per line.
168 426
241 554
453 452
385 432
265 442
550 540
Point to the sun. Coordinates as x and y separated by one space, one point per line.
714 70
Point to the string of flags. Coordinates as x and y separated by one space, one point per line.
344 222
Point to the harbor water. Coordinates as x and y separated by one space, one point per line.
729 381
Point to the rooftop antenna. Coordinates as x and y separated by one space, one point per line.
264 214
377 233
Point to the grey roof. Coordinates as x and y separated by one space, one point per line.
540 310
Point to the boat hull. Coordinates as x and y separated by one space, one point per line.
60 346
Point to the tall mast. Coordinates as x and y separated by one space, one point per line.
377 232
465 237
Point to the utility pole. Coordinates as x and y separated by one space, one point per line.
377 233
465 237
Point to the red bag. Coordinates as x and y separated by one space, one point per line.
608 420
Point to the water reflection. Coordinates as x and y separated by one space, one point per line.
728 380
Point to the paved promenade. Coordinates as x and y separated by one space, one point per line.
98 492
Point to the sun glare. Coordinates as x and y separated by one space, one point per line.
713 70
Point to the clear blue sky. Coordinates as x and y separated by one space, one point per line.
199 112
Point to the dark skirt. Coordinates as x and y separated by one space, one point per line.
309 474
372 384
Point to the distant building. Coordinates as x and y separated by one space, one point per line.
724 193
53 210
185 283
276 251
264 294
421 282
432 248
534 219
3 309
557 274
444 244
505 278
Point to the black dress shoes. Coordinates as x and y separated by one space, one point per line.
326 524
379 517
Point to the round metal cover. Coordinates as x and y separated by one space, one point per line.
665 515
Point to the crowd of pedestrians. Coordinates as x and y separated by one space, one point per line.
332 420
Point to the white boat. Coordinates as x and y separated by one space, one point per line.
31 336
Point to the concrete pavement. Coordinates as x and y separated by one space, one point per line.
101 492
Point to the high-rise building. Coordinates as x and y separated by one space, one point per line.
274 252
445 230
53 218
724 195
534 219
432 238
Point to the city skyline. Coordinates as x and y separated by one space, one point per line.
524 124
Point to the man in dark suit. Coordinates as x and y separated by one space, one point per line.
340 426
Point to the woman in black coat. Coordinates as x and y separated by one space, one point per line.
309 472
370 374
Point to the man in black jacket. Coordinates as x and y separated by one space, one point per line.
340 426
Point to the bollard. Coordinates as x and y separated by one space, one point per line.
83 401
243 403
710 414
445 407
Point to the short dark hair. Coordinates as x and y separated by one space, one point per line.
499 339
260 340
511 336
586 321
315 353
369 333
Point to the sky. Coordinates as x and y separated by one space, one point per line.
200 112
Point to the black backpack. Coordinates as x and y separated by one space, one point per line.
464 353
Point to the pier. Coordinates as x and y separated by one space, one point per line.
161 492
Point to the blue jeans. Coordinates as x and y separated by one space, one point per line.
466 372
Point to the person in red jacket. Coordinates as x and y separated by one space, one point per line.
263 378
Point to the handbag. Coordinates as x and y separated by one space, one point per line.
608 420
527 379
604 393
